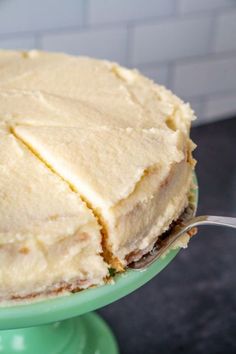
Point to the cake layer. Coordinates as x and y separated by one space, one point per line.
48 237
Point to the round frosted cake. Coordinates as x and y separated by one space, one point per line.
95 164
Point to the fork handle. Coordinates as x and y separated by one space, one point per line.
211 220
180 230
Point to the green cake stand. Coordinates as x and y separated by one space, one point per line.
65 324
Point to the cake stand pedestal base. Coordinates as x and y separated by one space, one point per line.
87 334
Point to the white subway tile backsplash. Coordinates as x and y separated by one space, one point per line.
111 11
170 40
28 15
104 43
225 38
221 106
27 42
187 6
158 73
205 76
186 45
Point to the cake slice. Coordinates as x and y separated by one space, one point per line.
136 181
49 240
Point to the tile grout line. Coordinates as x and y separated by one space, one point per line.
129 45
213 32
85 12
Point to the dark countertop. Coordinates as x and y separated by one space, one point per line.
190 307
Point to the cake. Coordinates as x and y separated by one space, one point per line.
95 164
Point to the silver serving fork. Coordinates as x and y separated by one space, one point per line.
187 223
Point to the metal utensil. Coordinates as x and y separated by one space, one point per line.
186 224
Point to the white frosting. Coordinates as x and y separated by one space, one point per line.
117 139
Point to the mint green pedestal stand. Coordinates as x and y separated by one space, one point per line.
84 334
66 325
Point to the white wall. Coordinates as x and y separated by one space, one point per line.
188 45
